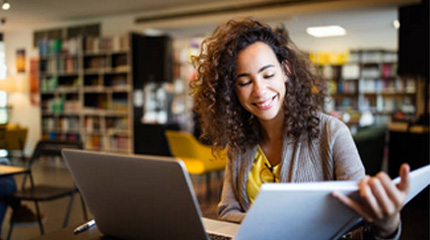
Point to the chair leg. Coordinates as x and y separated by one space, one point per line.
39 219
84 207
11 224
208 185
69 208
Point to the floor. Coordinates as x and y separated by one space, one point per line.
415 215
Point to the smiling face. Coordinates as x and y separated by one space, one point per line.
260 82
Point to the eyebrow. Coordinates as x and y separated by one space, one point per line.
259 71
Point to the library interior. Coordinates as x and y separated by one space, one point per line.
116 77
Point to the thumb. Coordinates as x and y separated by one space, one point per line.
404 178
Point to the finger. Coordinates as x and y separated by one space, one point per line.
352 205
369 198
384 202
397 197
404 178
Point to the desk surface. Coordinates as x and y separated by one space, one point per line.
11 170
67 234
94 233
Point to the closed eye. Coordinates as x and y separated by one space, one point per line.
243 84
269 76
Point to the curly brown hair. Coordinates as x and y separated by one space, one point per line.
223 118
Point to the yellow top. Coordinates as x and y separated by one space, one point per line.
261 172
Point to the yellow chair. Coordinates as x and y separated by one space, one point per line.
198 158
13 137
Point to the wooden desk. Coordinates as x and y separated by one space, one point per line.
11 170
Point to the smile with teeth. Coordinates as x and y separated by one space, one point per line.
265 104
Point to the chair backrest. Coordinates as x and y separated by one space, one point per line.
2 136
50 148
15 138
183 144
370 144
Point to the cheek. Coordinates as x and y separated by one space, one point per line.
282 89
241 96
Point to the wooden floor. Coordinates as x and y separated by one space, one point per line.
415 215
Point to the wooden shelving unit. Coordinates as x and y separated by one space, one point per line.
86 92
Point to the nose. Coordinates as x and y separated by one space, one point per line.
259 87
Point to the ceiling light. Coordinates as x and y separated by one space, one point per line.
396 24
6 5
326 31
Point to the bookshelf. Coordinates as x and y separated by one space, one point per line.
367 80
381 90
86 91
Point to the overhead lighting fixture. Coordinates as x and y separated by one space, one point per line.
396 24
326 31
5 5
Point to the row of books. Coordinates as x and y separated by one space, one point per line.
58 46
389 70
63 124
115 43
74 46
372 56
61 136
370 72
115 143
92 80
59 105
398 105
59 65
111 80
96 62
117 80
119 104
117 123
53 83
119 60
354 71
92 124
389 105
342 87
96 101
387 86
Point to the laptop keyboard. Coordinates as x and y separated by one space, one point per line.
218 237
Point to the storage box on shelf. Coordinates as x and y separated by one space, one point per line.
86 91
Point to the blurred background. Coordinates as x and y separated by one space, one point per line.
115 75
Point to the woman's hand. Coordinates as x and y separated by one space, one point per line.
381 201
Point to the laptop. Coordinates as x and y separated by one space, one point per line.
142 197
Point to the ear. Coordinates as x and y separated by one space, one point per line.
287 68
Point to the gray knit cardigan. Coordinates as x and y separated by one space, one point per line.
331 156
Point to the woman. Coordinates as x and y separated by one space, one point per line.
260 98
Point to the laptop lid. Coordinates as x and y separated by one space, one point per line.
135 197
